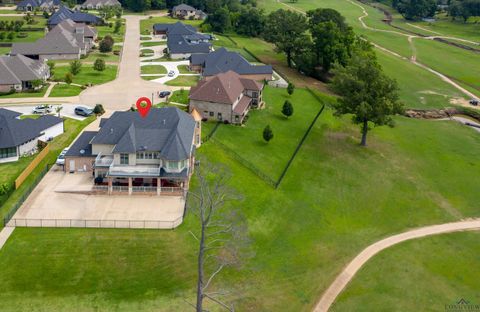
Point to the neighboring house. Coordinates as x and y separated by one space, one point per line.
225 97
222 60
184 11
130 153
43 5
19 137
17 72
67 41
65 13
183 40
99 4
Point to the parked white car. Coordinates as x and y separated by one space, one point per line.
61 157
171 73
42 109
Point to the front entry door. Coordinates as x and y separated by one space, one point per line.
72 165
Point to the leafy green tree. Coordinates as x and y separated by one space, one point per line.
366 92
287 109
46 15
99 65
10 36
75 67
267 133
37 83
287 31
290 88
251 22
219 20
138 5
318 16
118 25
98 109
68 78
2 36
51 66
106 45
415 9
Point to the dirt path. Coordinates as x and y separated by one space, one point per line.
342 280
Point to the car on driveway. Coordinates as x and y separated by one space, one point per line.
42 109
83 111
61 158
171 73
163 94
474 102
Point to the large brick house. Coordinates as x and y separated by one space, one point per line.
225 97
132 154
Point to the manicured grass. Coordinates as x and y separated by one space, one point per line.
61 90
153 69
153 44
87 74
145 38
72 128
183 81
146 52
38 93
224 41
105 30
179 96
146 25
184 69
107 57
10 172
336 198
4 50
401 278
111 280
272 157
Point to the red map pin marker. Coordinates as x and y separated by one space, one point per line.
143 105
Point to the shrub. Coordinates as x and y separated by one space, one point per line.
68 78
98 109
75 67
46 15
106 45
118 25
10 36
99 65
116 52
267 133
4 189
22 35
290 88
287 109
2 36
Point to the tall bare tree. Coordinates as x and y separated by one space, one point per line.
222 238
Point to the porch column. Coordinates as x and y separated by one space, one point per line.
159 186
110 185
130 190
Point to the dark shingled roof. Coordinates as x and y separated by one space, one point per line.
48 4
181 38
64 13
82 144
222 60
14 132
167 130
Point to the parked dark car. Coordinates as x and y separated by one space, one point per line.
83 111
164 94
474 102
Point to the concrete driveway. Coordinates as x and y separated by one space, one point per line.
67 111
170 66
52 204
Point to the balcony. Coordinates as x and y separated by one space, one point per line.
103 160
131 171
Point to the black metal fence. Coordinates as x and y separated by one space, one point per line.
24 196
108 224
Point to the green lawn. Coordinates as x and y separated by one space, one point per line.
272 157
153 44
336 198
105 30
72 129
38 93
184 69
87 74
61 90
183 81
409 270
153 69
10 172
179 96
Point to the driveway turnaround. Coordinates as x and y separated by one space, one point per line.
60 200
354 266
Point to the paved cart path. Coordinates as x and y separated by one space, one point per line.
348 273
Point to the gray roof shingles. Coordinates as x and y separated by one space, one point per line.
181 38
18 68
82 146
14 132
167 130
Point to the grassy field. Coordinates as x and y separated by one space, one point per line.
87 74
39 22
38 93
404 275
61 90
183 81
153 69
179 96
72 128
335 199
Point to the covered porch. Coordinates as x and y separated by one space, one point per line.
141 185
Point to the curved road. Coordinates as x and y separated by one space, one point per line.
354 266
120 93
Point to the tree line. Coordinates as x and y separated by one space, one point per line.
418 9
